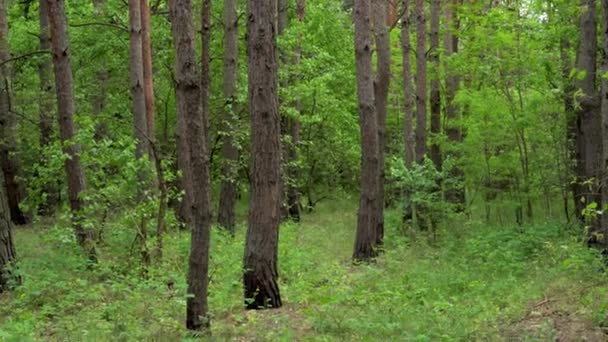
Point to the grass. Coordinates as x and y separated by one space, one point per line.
474 283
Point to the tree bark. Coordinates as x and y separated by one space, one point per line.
229 189
381 88
420 82
45 106
62 67
261 248
9 157
103 78
589 115
408 87
367 220
136 67
148 75
435 85
604 104
455 195
7 248
189 106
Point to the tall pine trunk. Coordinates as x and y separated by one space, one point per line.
136 67
62 67
367 217
381 88
604 104
189 107
409 139
420 81
230 152
7 248
435 85
148 79
261 248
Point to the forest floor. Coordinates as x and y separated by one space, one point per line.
474 282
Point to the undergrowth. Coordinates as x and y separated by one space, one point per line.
468 284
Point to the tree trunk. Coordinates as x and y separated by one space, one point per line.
604 104
435 85
408 87
7 248
103 78
590 128
136 67
65 102
420 82
230 152
381 88
45 106
260 260
148 79
454 195
188 94
9 157
367 220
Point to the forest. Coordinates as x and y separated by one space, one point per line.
304 170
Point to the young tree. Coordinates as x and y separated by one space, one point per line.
9 157
261 248
136 67
381 88
7 248
420 81
367 220
45 106
189 107
62 67
146 45
102 75
435 85
230 152
408 87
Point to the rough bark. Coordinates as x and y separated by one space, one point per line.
408 87
230 152
435 95
136 73
420 82
455 195
62 67
189 106
381 88
367 220
604 104
45 106
588 113
260 259
148 76
7 248
9 157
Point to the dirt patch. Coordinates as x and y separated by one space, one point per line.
548 321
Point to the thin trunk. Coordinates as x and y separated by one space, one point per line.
65 103
45 106
435 97
148 79
420 82
604 71
229 190
381 88
188 100
367 220
261 248
103 78
7 248
136 68
408 87
455 195
205 63
9 157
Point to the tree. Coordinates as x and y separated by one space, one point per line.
604 104
588 113
7 248
65 103
9 157
408 87
45 106
261 247
103 79
381 88
146 49
136 67
367 220
230 152
435 85
188 92
420 81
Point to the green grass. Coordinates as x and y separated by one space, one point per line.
474 283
